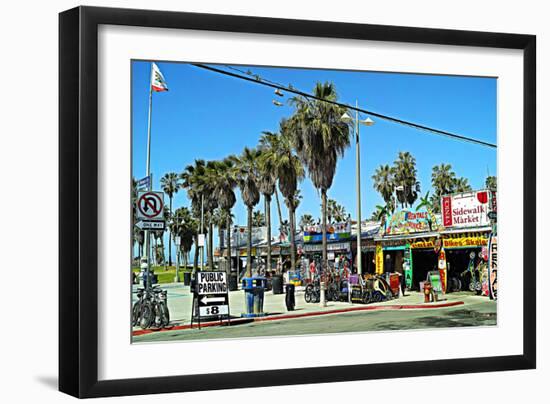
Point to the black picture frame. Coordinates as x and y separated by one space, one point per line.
78 196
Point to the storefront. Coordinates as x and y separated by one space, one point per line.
335 251
407 245
466 254
413 255
424 258
338 243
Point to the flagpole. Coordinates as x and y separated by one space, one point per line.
148 173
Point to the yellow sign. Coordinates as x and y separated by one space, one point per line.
464 242
424 243
243 253
379 261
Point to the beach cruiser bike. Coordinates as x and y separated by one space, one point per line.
151 308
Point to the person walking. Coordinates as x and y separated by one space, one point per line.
312 271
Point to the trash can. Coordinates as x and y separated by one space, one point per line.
289 298
277 284
187 278
254 296
233 281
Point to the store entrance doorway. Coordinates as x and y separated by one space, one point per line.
424 260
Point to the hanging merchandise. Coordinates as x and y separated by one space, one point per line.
442 266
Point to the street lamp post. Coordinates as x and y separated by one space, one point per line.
367 122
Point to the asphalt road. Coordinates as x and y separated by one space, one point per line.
477 314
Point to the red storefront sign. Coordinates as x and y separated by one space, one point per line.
446 207
466 210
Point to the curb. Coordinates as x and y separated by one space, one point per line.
299 315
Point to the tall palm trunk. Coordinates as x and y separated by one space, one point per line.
196 258
229 243
210 245
170 238
249 244
292 240
324 227
279 208
267 201
280 220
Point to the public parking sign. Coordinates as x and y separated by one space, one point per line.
150 206
212 294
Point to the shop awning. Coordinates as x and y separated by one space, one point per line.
407 236
467 230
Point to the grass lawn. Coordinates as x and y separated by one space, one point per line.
168 275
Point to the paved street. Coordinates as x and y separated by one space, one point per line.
475 311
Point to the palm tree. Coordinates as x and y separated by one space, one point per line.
267 185
247 177
320 139
170 184
404 177
336 213
211 202
491 183
221 219
184 226
258 219
159 240
138 234
191 180
289 172
383 183
461 185
427 202
225 184
305 221
443 182
381 212
139 238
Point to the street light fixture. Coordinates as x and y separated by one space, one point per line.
367 122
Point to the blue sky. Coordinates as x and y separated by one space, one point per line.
208 115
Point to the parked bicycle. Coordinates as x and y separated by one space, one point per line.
151 308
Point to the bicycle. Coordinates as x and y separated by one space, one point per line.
161 314
151 308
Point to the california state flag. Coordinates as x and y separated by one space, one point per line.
157 79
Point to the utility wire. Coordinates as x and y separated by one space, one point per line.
254 78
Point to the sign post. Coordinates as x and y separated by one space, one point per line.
177 242
150 216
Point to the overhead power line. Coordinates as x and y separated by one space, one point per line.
254 78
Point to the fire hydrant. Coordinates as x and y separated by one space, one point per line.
428 293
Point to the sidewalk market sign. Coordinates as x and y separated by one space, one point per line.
335 232
467 209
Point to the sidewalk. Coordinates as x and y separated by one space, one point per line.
180 300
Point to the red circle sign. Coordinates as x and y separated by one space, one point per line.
150 205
